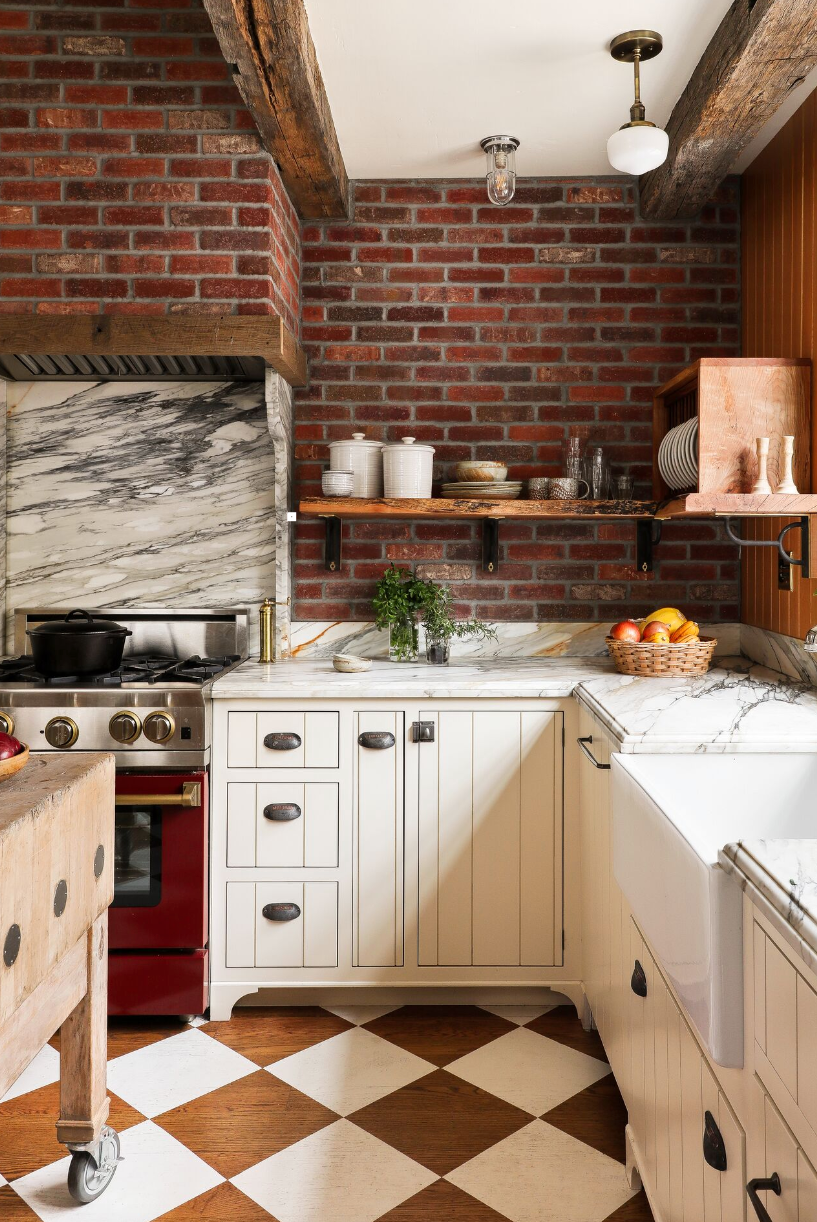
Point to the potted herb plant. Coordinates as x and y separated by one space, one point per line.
440 624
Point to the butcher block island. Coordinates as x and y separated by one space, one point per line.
56 882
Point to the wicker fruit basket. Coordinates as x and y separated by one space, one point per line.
644 658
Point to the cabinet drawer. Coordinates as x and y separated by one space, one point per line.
282 823
283 740
282 924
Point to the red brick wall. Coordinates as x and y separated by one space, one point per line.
131 177
495 332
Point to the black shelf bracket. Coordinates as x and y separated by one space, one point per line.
802 525
331 555
490 545
647 536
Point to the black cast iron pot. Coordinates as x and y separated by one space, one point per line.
77 645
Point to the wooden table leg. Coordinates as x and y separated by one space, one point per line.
84 1102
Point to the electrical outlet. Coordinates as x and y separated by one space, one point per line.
785 574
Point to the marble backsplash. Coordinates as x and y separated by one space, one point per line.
777 652
141 494
322 638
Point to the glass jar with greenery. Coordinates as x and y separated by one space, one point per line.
397 603
441 626
401 600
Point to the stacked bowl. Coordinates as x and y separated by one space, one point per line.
483 481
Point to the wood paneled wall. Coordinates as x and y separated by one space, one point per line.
779 260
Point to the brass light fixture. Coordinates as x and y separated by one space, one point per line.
501 171
639 145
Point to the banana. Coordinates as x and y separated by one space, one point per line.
670 616
688 631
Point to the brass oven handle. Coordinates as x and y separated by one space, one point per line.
189 796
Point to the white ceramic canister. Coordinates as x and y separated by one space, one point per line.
407 469
362 458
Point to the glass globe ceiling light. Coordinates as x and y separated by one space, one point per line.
501 173
639 145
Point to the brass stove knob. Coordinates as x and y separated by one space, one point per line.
159 727
6 723
61 732
125 727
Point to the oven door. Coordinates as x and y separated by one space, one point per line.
160 861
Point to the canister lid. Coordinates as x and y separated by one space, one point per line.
358 439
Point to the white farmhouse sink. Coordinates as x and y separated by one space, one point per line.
671 816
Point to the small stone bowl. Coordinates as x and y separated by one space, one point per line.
349 664
337 483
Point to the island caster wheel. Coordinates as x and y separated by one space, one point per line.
89 1176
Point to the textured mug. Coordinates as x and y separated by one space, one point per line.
539 488
566 489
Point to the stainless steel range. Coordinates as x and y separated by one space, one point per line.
153 713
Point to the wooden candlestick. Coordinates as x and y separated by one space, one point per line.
761 484
787 484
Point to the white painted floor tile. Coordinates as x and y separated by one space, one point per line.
518 1014
44 1069
174 1071
360 1014
540 1174
340 1173
528 1070
156 1175
350 1070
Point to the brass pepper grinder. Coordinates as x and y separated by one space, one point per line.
266 619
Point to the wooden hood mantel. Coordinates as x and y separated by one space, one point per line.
107 346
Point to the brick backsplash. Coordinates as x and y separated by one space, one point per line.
496 332
131 176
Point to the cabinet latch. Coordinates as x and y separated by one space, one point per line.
422 731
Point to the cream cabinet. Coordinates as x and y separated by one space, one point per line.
422 844
490 838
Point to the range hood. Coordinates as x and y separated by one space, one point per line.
105 347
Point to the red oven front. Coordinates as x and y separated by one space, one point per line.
158 918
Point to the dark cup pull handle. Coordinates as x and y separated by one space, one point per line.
281 912
714 1145
282 812
582 743
378 740
772 1184
282 742
638 980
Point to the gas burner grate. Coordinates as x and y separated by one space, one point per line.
147 668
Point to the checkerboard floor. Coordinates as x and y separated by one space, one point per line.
351 1115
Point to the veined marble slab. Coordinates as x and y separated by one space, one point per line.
737 706
780 876
322 638
779 652
316 678
140 494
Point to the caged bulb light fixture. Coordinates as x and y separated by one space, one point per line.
501 171
639 145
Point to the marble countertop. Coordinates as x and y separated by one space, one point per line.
781 878
737 706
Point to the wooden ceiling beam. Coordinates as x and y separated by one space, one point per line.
759 53
269 48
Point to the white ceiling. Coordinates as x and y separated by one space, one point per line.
414 84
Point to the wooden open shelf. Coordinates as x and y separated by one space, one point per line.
441 507
738 505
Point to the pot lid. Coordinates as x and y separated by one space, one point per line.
405 442
358 439
78 623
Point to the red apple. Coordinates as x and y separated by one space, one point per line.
655 631
9 746
627 630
